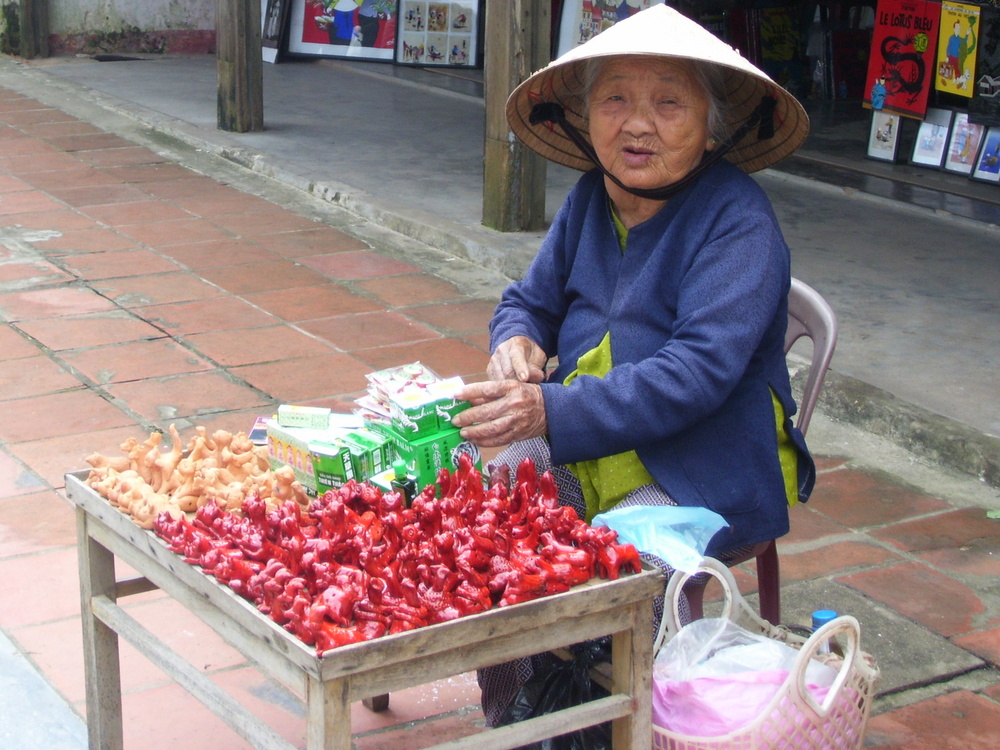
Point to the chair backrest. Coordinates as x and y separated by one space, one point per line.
809 315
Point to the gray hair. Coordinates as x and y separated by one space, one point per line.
711 78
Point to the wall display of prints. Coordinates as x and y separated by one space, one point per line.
358 29
901 63
437 32
932 138
883 140
987 167
957 44
963 144
273 25
582 19
984 108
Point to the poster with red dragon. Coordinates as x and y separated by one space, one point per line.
901 65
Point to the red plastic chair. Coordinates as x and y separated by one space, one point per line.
809 315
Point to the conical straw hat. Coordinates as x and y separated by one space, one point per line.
664 32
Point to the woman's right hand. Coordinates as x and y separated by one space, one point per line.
518 358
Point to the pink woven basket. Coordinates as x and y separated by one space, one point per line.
792 719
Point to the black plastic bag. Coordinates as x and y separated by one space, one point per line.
558 684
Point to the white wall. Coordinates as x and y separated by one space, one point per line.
88 16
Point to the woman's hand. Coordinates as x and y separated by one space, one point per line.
518 358
502 412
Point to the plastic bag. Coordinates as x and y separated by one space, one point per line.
715 677
677 535
559 685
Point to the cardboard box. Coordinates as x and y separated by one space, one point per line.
421 411
370 451
426 455
309 417
291 446
332 465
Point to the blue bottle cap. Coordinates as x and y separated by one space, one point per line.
822 616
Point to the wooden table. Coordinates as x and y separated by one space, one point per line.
327 685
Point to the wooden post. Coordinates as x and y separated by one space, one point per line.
240 67
517 44
34 28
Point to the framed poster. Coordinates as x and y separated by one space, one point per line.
932 138
357 29
963 145
273 23
883 140
901 63
984 108
438 32
581 20
987 167
957 44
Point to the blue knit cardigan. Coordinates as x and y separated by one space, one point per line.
697 310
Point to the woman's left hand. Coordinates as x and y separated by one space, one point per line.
502 412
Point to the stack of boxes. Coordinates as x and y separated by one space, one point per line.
406 415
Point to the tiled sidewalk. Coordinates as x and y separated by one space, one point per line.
136 293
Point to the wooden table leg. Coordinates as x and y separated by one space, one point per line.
102 668
632 673
328 715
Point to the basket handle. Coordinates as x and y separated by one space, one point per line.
852 660
670 622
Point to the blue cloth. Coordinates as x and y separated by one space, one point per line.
697 310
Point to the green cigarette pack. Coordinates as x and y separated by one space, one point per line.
426 455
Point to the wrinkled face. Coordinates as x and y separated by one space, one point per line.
648 120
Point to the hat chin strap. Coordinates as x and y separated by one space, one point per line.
761 118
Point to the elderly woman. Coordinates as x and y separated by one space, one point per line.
659 290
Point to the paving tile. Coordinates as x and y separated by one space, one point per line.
219 253
218 200
57 129
307 303
858 499
34 376
218 314
36 115
97 195
259 277
17 103
34 523
12 184
120 157
293 380
139 212
135 360
31 163
955 720
357 264
64 220
156 289
938 602
16 479
148 172
256 345
264 222
23 202
180 231
31 274
81 176
410 289
94 329
478 340
53 457
184 185
366 330
84 241
14 345
451 318
976 560
118 263
809 525
832 559
985 644
49 303
72 413
16 146
89 141
447 357
186 395
39 588
425 733
965 527
308 242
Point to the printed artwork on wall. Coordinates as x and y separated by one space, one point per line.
359 29
932 138
901 63
581 20
957 45
438 32
963 145
984 108
883 140
987 167
273 24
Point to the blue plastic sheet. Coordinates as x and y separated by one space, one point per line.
677 535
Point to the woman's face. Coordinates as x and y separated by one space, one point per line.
648 120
